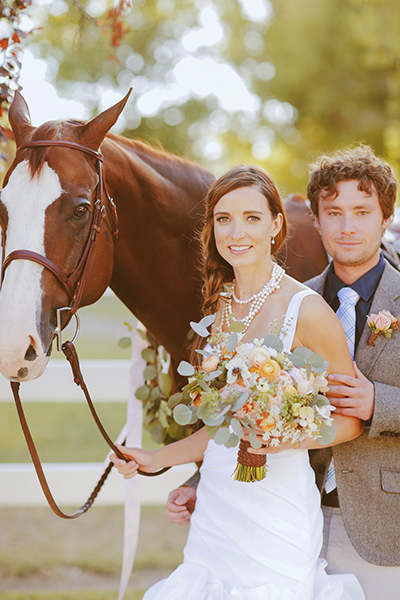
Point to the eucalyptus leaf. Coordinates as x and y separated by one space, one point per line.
199 329
327 435
175 431
240 401
150 339
203 410
237 428
321 400
297 360
222 435
214 375
213 420
175 399
203 385
273 341
316 360
185 369
255 443
124 342
208 320
195 417
149 355
189 386
232 441
155 393
321 369
182 414
203 352
211 431
149 373
237 326
304 352
165 384
143 393
232 342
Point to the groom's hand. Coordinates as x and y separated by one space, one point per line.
180 505
352 396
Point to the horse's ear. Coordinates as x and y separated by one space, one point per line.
94 132
20 119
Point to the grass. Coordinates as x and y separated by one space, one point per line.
36 546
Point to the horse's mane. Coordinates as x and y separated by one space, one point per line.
163 161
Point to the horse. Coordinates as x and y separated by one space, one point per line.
58 210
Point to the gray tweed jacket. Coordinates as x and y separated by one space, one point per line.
368 468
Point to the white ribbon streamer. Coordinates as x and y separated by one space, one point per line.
132 487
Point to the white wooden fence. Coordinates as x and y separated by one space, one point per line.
71 483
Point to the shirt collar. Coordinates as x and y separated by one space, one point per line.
365 286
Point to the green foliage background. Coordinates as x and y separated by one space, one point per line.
326 73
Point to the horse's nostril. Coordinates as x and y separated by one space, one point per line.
31 353
22 372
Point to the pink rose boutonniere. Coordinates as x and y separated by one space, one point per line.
384 323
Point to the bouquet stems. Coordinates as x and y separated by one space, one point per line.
250 467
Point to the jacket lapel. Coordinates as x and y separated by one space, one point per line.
387 297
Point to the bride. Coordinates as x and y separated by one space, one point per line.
254 541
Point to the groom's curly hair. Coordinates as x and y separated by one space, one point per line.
353 164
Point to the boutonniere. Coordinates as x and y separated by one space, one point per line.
382 323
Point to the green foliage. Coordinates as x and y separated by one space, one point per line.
157 400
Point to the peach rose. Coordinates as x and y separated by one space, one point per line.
210 363
257 356
270 369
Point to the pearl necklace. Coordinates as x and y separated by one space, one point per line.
257 301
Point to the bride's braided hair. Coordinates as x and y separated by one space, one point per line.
216 270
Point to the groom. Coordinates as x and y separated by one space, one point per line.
352 196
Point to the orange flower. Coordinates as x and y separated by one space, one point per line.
197 401
267 423
270 369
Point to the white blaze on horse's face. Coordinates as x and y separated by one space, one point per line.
26 198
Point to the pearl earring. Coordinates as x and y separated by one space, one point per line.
272 240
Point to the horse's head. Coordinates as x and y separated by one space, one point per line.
49 211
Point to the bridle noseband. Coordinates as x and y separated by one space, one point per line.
72 284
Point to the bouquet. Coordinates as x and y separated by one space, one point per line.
255 388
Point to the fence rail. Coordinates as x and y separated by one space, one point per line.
71 483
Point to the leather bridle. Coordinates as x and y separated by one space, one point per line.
73 285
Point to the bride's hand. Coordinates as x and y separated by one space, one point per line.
138 459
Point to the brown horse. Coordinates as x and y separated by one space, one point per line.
49 209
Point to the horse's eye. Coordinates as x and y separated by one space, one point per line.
80 212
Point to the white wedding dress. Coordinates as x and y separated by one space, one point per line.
256 541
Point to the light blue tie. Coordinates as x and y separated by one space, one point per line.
346 314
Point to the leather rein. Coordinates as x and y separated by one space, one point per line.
73 286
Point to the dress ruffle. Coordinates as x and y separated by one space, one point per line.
192 582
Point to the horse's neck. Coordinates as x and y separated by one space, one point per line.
155 269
